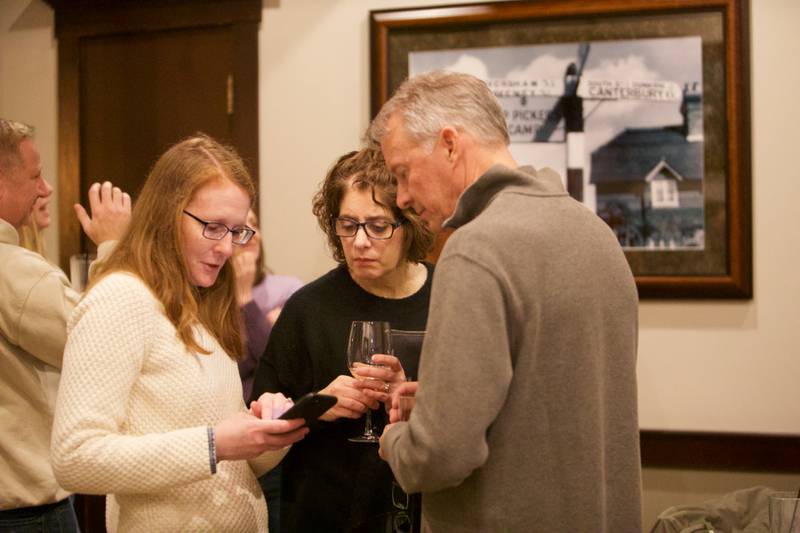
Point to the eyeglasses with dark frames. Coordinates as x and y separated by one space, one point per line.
216 231
378 228
402 521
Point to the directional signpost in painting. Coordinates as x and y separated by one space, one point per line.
640 163
539 124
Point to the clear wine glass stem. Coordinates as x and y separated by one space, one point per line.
368 422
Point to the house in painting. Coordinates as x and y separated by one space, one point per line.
649 182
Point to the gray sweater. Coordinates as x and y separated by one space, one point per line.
526 416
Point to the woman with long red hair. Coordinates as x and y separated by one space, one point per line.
150 405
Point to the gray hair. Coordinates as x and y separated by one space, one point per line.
11 134
428 102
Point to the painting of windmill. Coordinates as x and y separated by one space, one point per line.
621 121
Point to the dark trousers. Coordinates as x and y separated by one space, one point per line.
56 517
271 486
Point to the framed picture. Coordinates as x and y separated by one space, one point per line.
642 106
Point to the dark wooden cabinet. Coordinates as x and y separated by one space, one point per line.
134 77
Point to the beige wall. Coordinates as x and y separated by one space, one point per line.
28 83
718 366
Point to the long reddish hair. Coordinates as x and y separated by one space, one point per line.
152 246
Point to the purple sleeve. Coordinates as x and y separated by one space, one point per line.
275 290
256 332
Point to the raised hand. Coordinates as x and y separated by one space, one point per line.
111 213
244 266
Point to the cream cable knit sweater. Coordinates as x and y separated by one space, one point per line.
131 417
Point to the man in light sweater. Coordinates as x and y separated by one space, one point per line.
35 302
526 409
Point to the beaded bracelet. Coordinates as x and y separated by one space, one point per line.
212 450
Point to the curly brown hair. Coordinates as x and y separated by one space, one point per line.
362 169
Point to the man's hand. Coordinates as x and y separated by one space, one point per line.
398 411
404 391
111 213
382 450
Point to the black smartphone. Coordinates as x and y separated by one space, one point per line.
309 407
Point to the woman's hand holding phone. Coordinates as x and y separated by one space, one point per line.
244 436
270 405
309 407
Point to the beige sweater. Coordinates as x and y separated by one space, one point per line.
35 302
132 415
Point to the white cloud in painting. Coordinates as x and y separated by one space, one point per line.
608 118
468 64
543 67
630 68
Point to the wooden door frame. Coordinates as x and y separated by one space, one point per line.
79 19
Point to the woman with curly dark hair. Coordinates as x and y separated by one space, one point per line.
330 483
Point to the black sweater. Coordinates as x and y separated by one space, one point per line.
329 483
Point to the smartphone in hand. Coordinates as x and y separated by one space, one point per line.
309 407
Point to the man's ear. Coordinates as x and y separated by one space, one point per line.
450 142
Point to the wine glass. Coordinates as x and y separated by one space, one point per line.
366 339
407 346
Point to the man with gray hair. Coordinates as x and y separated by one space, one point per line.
35 302
526 409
